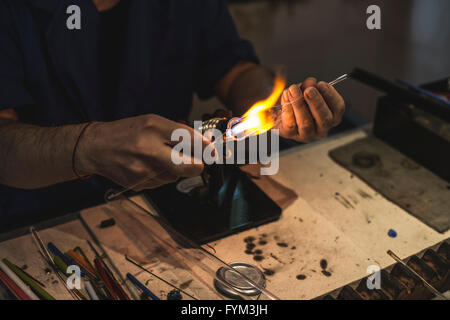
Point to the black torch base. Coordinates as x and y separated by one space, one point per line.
204 214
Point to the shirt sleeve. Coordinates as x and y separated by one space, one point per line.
220 47
13 92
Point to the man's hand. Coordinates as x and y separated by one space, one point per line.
311 109
127 151
132 150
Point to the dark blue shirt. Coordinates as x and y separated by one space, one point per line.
51 76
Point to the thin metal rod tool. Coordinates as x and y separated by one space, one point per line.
48 258
157 277
331 83
338 79
112 194
195 245
425 282
106 256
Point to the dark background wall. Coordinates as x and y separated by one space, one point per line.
326 38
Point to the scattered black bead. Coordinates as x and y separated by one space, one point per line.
250 246
301 277
282 244
249 239
258 258
262 242
107 223
323 264
269 272
174 295
258 251
326 273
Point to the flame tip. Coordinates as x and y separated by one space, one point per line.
256 121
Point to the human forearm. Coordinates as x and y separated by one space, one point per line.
34 157
127 151
250 83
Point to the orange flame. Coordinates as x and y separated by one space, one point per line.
256 120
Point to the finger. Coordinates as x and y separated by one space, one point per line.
193 144
179 164
188 170
166 177
193 141
288 126
149 185
319 110
159 180
303 118
198 145
185 166
334 101
309 82
167 127
193 134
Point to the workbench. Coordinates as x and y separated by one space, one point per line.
326 238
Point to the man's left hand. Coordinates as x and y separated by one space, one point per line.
310 109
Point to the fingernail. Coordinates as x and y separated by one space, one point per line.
323 86
311 92
293 91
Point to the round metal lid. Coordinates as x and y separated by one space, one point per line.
237 283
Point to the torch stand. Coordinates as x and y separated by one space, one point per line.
223 202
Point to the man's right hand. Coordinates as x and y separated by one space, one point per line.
132 150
